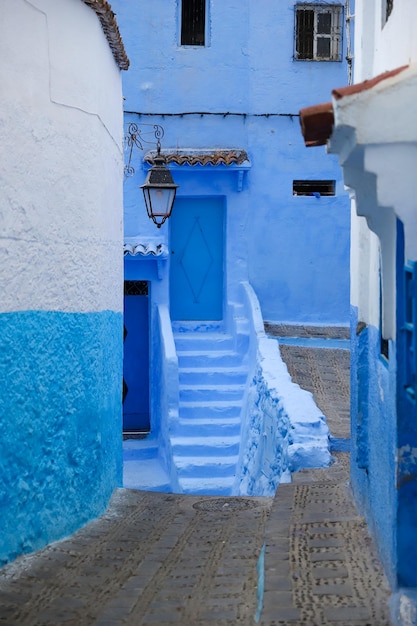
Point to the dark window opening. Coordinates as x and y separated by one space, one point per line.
384 347
389 7
304 33
318 32
313 188
136 288
193 22
383 343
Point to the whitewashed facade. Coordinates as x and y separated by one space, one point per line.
61 267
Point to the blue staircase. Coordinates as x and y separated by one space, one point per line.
205 440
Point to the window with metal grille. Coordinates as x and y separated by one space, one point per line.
313 188
318 32
136 288
193 22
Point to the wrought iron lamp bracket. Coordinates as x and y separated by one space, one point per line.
136 136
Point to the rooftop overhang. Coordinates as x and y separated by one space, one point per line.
350 107
233 161
372 127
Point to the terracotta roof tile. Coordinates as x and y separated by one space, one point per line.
341 92
203 157
111 30
152 249
317 124
317 121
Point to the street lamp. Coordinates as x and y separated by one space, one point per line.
159 189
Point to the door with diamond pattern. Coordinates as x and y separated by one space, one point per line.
196 278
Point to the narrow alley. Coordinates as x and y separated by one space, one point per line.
304 557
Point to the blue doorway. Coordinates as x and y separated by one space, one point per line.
136 417
406 415
197 251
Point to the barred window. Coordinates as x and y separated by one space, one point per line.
318 32
193 22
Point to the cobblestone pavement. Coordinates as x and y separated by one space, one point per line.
304 557
321 567
151 559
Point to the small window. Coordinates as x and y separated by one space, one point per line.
193 22
383 343
387 6
135 288
318 32
313 188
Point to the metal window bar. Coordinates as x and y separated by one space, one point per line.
136 288
313 188
318 32
193 22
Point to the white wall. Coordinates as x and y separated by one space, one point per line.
381 46
61 139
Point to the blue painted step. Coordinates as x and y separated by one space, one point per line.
214 486
208 427
211 393
216 375
206 437
208 358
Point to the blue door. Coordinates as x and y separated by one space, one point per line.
196 280
136 358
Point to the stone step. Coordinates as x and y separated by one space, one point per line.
208 359
213 376
206 409
206 467
203 341
211 393
214 447
206 427
217 486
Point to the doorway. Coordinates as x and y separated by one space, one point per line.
136 418
197 253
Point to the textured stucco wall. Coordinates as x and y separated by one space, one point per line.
380 45
283 430
294 250
374 436
61 272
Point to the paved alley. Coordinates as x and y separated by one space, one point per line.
303 558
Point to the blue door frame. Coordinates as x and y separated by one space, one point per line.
197 252
406 416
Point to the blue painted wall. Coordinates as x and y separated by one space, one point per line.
60 419
294 250
373 410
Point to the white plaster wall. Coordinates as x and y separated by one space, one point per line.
380 47
396 43
60 172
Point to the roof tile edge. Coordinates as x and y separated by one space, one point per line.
111 30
